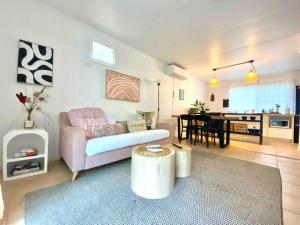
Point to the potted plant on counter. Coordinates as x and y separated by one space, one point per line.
200 107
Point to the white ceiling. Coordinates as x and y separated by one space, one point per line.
201 34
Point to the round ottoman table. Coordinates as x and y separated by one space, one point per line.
183 160
152 173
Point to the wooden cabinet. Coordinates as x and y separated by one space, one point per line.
281 133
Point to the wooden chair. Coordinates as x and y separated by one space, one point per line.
204 125
184 126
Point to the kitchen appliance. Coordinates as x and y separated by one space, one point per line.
297 116
280 123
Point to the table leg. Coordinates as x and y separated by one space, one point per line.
228 132
221 133
178 129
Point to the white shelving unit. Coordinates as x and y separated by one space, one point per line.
16 140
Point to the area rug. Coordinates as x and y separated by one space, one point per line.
221 190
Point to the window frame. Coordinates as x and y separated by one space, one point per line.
261 95
99 61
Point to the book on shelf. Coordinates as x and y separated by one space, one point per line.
23 168
26 153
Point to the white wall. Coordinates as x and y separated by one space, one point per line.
222 92
77 81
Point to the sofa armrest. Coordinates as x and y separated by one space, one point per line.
166 126
73 146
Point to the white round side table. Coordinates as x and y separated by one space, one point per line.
152 174
183 160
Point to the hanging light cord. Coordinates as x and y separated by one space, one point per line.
236 64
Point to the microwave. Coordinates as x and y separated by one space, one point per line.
280 123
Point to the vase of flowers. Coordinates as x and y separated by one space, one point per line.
200 106
31 104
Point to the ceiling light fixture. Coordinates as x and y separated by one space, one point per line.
214 82
251 76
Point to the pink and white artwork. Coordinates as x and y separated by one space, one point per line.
121 86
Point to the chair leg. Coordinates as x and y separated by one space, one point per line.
207 140
74 176
214 138
201 136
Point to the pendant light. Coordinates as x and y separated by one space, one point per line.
214 82
251 76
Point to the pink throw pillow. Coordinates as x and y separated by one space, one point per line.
92 120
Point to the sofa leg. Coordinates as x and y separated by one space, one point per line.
74 176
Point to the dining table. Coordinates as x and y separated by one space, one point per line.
220 121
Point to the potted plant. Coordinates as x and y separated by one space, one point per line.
200 106
31 104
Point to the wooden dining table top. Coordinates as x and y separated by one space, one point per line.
216 117
224 117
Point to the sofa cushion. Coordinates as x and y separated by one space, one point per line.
149 117
108 143
136 125
124 124
91 120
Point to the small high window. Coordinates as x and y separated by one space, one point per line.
103 54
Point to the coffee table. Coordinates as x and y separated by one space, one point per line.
183 159
152 174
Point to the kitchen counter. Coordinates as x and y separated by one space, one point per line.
278 114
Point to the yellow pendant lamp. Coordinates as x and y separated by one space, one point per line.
252 76
214 82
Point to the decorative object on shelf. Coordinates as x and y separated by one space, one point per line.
212 97
181 94
252 118
254 131
287 110
277 108
225 103
214 82
251 76
25 168
26 153
244 117
200 106
122 87
35 64
31 104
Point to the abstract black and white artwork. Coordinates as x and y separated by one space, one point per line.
35 64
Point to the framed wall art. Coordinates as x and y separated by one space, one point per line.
35 64
122 87
181 94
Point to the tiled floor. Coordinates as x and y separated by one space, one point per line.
283 155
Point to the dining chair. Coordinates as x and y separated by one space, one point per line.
204 125
184 125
